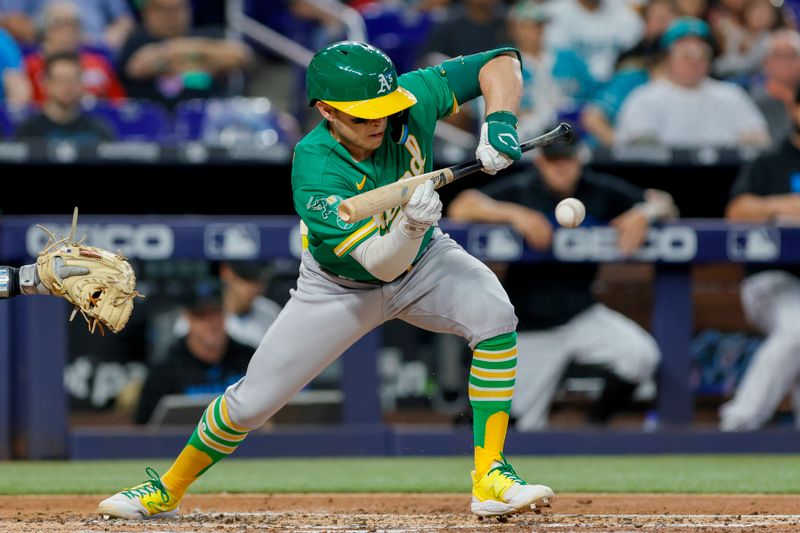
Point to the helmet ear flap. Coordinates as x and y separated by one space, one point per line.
399 124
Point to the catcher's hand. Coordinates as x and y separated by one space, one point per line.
100 284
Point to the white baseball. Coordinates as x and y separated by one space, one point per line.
570 212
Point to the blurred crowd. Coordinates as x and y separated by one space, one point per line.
674 73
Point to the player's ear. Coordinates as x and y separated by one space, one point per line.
325 110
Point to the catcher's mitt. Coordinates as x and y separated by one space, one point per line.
104 295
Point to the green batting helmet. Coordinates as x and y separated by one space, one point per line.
358 79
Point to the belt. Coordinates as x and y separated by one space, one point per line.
335 275
376 282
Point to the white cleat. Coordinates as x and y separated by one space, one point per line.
148 500
500 493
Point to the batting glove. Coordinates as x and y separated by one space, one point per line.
422 211
499 144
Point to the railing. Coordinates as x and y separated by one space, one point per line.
241 25
33 333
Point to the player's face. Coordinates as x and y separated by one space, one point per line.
561 174
360 136
239 293
207 328
689 61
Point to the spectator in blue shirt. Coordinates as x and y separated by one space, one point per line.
15 88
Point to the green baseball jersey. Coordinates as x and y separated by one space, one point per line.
324 173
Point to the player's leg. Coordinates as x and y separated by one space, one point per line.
320 321
603 337
771 300
542 359
449 291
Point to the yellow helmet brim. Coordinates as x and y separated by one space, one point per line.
380 107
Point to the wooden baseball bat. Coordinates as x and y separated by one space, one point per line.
376 201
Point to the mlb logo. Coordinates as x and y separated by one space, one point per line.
232 241
754 244
494 243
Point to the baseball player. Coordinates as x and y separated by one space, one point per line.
768 191
377 128
572 326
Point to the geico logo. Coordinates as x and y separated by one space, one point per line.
671 244
143 241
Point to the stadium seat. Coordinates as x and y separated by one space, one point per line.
10 117
397 31
5 124
226 121
134 120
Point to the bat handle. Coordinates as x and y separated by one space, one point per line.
562 132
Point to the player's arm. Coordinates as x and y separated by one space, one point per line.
473 205
748 207
751 200
25 280
633 224
501 84
389 255
497 75
20 281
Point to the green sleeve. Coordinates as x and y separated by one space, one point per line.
462 72
318 207
435 99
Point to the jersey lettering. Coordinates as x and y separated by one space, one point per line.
416 167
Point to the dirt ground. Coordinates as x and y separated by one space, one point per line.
413 512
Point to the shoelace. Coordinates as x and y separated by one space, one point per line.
148 487
507 470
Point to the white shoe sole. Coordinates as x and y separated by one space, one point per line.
533 501
129 511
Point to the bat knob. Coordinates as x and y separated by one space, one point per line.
568 132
